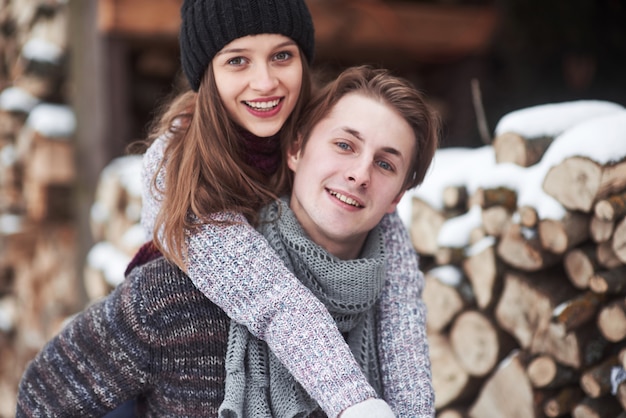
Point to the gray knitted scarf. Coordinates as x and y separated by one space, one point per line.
257 384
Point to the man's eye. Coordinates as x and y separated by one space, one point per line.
385 165
344 146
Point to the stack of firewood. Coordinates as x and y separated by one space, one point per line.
523 245
39 286
115 227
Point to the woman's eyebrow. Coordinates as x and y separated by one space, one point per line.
239 50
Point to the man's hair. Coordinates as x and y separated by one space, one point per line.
378 84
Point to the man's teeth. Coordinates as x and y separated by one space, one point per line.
263 105
346 199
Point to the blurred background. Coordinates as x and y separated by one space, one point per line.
81 79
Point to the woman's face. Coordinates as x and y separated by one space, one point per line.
258 78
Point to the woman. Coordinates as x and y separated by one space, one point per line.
156 337
212 166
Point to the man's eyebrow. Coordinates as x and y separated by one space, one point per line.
357 134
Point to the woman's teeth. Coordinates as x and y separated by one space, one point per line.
263 105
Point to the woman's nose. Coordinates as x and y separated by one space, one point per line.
264 79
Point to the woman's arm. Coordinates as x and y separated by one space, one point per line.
92 366
235 267
404 355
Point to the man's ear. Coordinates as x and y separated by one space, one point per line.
293 154
394 202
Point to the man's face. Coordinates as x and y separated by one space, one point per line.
350 173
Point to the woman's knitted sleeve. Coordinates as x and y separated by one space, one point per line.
236 269
404 356
93 365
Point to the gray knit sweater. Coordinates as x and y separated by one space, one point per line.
236 268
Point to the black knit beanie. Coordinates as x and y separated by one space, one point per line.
209 25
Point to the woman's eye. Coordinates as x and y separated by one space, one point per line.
236 61
283 56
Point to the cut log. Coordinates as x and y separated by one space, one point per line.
452 413
609 281
498 196
477 234
558 236
606 255
528 216
478 344
520 247
579 348
49 202
622 357
580 264
619 240
495 220
448 255
484 271
425 225
612 208
564 402
601 230
455 198
510 147
621 395
612 320
451 382
578 182
445 298
546 373
528 302
577 311
50 160
604 407
495 400
596 381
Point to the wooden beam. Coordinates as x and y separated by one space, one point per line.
139 17
417 29
344 28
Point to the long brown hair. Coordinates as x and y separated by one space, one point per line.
206 173
381 85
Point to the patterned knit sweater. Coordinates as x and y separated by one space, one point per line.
235 267
156 336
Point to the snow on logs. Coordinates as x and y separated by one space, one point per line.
523 244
